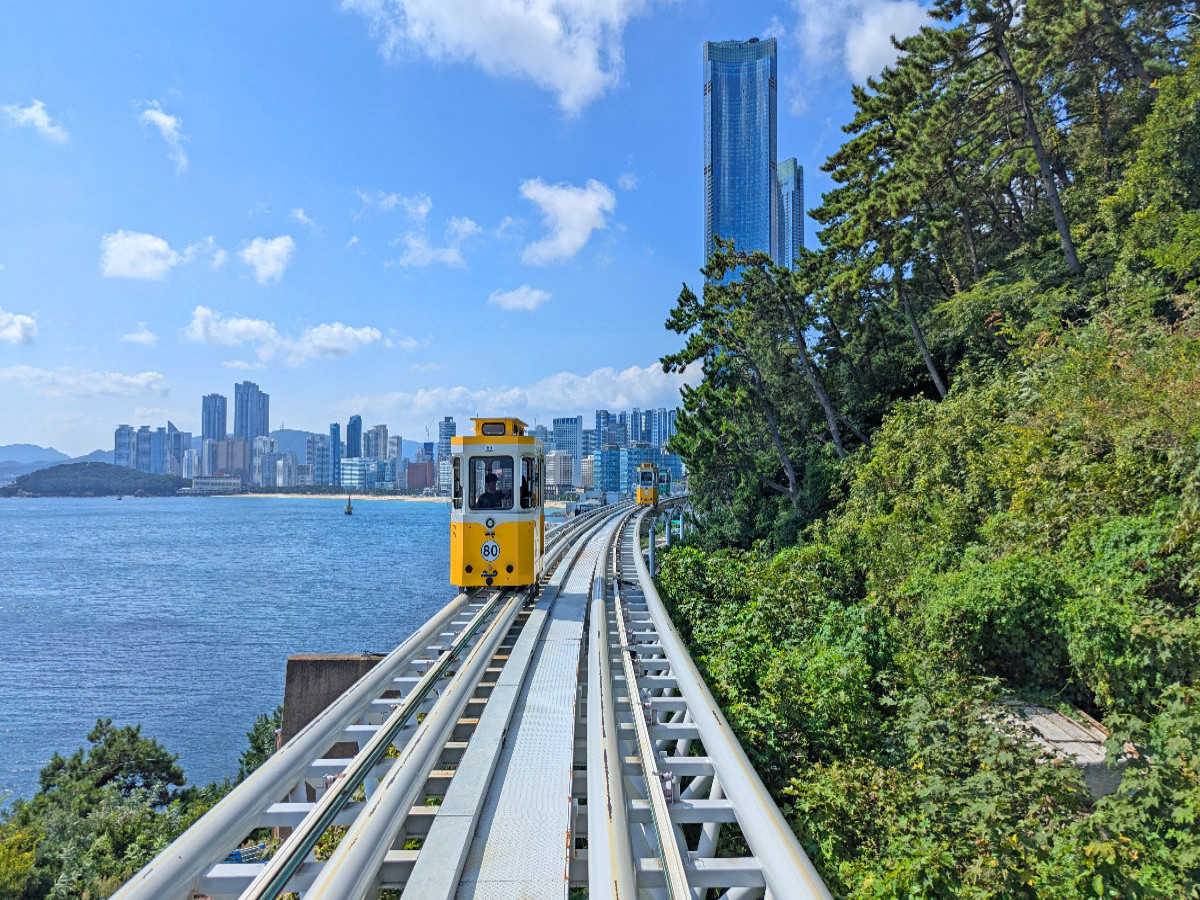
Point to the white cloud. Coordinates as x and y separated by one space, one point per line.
571 48
35 115
210 327
418 206
425 367
524 297
326 340
855 33
507 225
132 254
397 341
241 365
330 341
69 382
420 251
143 336
645 387
353 240
169 127
570 213
627 181
16 328
268 258
303 218
206 247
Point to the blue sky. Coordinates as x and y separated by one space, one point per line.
399 208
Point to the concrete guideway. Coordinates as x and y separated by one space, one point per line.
515 746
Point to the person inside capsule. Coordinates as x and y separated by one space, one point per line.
491 498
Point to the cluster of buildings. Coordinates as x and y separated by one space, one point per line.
600 459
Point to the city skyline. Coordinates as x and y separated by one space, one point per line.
164 226
252 456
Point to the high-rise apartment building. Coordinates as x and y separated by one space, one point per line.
231 457
142 449
741 188
560 472
447 428
125 447
264 456
395 447
158 451
604 423
568 438
354 437
636 420
791 212
178 443
620 431
375 441
251 411
317 458
335 453
214 418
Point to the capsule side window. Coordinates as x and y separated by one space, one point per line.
491 482
456 465
529 492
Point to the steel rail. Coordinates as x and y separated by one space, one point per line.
291 854
440 863
786 868
175 872
670 852
353 869
611 870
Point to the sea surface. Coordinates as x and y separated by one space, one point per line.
180 613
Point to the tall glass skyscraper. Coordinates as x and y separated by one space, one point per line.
447 430
791 212
214 418
354 437
125 447
335 453
741 188
251 411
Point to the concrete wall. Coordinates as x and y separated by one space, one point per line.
314 680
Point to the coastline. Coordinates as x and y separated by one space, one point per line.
372 497
553 507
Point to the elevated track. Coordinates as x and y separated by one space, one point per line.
521 744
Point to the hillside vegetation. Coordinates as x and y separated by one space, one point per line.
92 479
955 457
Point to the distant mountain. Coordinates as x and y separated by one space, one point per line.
31 453
292 440
104 456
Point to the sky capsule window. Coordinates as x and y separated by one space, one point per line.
491 482
493 429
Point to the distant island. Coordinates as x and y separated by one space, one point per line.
92 479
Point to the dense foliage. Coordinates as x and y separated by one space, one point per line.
954 457
92 479
105 811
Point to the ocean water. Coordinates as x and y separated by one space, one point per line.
180 613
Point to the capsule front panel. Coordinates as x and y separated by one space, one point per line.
506 553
